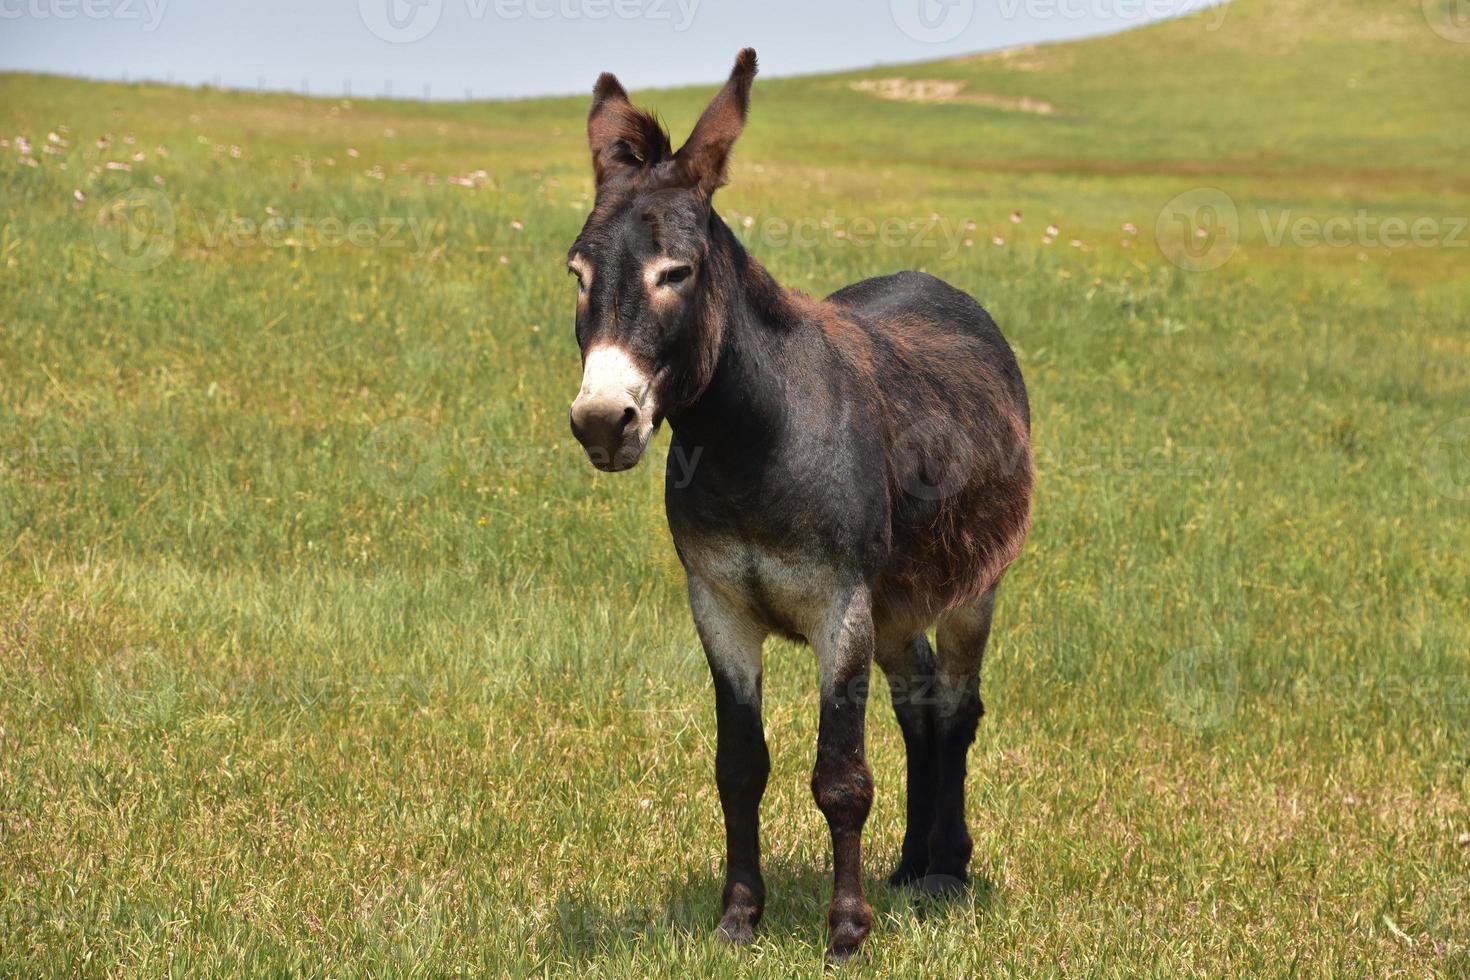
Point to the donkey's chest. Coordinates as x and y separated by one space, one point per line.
786 590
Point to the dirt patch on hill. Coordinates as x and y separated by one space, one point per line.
935 91
1025 58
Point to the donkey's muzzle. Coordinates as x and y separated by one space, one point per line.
610 429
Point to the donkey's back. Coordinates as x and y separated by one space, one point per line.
885 299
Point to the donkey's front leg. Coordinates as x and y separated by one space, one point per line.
732 643
841 781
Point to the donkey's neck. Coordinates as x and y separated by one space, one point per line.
737 418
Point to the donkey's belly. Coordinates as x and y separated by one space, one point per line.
785 590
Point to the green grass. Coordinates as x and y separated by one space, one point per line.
322 650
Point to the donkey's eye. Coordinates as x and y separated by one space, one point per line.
675 275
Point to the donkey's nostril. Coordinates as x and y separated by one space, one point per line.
630 415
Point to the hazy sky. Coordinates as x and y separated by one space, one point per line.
521 47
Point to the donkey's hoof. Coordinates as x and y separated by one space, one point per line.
737 928
905 876
942 886
848 924
846 952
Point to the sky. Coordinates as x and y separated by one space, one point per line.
453 49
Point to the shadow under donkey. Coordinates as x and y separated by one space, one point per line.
588 927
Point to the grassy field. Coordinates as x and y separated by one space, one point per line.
323 651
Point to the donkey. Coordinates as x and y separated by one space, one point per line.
862 470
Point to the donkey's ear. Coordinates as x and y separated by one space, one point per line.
704 158
623 138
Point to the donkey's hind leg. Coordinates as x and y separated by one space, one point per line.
962 635
908 662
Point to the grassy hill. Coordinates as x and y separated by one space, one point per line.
323 650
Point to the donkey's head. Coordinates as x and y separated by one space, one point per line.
648 293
